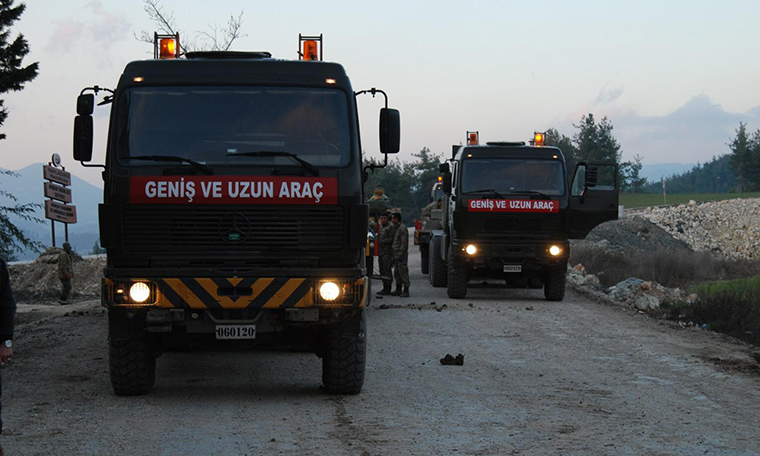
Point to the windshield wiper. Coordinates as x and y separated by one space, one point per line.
531 192
488 190
175 158
278 153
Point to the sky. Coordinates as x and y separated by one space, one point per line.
675 78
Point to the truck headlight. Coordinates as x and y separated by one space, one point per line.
471 249
139 292
329 291
554 250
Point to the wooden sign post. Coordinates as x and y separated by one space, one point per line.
58 206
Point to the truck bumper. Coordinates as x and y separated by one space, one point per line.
215 293
531 255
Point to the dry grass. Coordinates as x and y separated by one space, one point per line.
667 268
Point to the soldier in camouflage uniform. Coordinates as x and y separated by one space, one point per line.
385 253
65 272
400 256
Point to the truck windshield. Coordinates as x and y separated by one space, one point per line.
211 125
515 176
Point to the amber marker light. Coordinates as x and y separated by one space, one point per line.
330 81
138 79
310 50
168 48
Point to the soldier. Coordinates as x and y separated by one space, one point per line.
65 273
400 256
429 208
385 253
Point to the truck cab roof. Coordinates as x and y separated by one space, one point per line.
508 150
233 68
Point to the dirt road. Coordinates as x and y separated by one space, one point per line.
577 377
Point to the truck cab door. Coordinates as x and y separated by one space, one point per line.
593 199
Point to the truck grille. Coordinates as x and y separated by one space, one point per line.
270 228
502 226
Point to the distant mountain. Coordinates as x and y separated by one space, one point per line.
28 188
655 173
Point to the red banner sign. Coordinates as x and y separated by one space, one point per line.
233 190
499 205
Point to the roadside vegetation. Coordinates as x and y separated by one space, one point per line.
730 307
687 269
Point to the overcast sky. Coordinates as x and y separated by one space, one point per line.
675 78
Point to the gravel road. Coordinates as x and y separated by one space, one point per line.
576 377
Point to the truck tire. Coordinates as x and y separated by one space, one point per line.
425 258
131 357
554 283
437 265
457 277
345 356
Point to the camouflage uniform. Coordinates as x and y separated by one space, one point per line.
65 272
401 259
385 254
429 209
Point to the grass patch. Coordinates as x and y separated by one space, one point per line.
731 308
631 200
670 269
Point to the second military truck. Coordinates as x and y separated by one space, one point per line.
509 210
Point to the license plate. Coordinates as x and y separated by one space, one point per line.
512 268
236 331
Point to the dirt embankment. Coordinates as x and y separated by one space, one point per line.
37 281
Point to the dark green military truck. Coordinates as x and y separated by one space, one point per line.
233 209
509 211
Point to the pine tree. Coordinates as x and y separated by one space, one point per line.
741 157
13 76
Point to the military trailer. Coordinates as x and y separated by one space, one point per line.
233 212
509 212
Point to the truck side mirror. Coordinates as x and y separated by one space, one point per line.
443 168
86 104
83 138
390 131
447 183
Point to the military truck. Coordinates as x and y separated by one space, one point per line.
233 211
423 228
509 211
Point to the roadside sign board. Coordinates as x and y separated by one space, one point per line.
56 175
60 212
57 192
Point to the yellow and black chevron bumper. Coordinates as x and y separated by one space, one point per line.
234 293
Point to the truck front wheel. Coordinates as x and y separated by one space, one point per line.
131 355
437 265
457 277
425 258
554 283
345 356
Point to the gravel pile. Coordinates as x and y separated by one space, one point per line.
728 228
631 236
38 281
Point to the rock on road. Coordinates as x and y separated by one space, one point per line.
576 377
